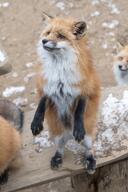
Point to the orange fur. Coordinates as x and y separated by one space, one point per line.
9 144
89 85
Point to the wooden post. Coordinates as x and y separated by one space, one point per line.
109 178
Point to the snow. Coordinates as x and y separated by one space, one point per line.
20 101
60 5
114 121
110 24
105 45
2 56
29 77
5 4
28 65
95 14
43 141
32 105
114 9
95 2
13 90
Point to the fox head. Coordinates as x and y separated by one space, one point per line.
121 59
61 36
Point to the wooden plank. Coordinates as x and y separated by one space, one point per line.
36 166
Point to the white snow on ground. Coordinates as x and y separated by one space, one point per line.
33 106
105 45
60 5
28 65
110 24
2 56
43 140
95 14
5 4
95 2
113 126
13 90
20 101
29 77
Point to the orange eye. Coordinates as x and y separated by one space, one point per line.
120 58
60 36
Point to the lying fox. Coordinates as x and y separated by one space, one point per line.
120 67
68 87
11 122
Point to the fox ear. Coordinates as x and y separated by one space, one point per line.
79 29
46 17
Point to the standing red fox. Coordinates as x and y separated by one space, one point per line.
68 87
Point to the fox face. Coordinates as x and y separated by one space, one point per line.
121 66
61 36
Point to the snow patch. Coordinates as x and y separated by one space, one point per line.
2 56
22 102
95 14
28 65
29 77
105 45
5 4
110 24
60 5
32 105
95 2
113 125
13 90
43 141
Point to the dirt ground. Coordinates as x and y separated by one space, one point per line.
20 27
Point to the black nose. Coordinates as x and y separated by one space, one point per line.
120 66
44 41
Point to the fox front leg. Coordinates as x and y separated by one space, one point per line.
37 123
79 130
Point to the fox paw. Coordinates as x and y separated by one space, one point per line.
4 177
79 131
36 126
56 161
90 164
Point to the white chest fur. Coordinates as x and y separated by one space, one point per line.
120 76
61 73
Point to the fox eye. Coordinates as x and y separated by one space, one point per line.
120 58
48 32
60 36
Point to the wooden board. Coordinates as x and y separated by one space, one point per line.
36 166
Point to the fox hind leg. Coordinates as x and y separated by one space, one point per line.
60 142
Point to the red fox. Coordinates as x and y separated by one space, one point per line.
120 67
11 122
68 87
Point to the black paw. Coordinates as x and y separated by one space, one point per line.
79 131
36 126
56 161
4 177
90 164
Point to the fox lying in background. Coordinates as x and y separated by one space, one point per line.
11 122
68 87
120 67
